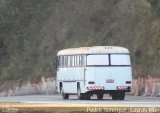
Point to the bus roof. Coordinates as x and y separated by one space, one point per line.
93 50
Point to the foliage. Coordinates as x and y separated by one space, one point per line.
32 31
156 6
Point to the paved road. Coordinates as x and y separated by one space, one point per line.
56 100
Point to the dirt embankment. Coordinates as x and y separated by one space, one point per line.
44 86
149 86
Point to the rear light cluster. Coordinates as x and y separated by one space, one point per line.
123 87
95 88
128 82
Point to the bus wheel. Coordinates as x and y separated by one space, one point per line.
100 96
60 87
121 95
80 95
114 95
65 96
87 96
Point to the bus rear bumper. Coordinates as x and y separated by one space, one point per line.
105 90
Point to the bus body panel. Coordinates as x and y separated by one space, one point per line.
109 77
69 78
70 74
69 87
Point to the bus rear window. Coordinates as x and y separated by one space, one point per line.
97 60
118 59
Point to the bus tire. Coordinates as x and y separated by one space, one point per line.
86 96
65 95
79 94
121 95
60 87
114 95
100 96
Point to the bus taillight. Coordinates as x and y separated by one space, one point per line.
123 87
95 88
128 82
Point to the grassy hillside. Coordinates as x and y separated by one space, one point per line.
32 31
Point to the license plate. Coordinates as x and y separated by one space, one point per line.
110 81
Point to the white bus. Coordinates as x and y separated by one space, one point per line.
96 70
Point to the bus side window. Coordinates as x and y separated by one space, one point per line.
71 60
68 58
65 61
75 60
82 60
78 60
60 61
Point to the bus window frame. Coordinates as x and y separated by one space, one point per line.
84 57
109 56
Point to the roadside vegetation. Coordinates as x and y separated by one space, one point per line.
32 31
